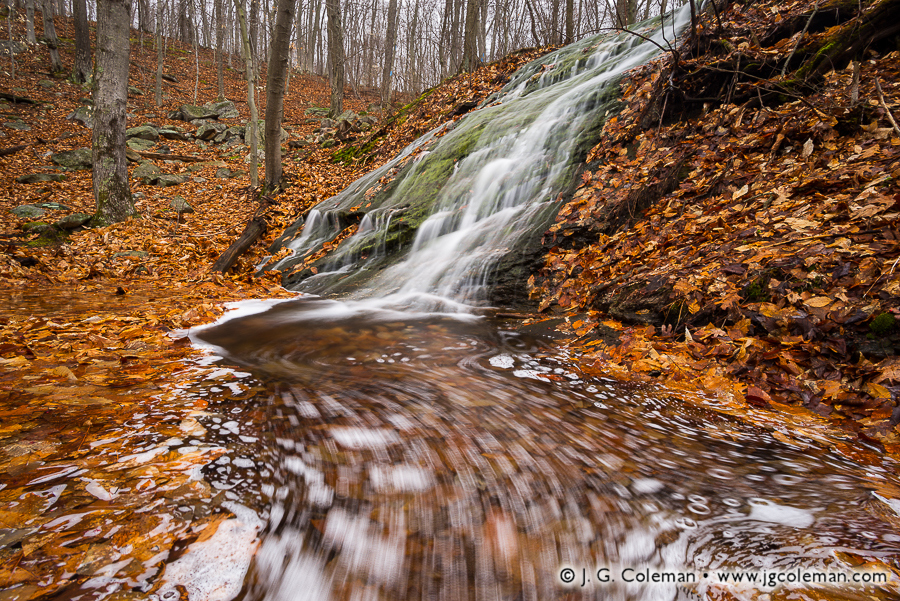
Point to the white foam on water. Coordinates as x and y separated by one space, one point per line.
400 478
502 361
214 569
766 511
364 438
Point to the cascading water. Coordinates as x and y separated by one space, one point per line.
459 202
399 453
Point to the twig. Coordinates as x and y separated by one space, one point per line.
802 33
885 107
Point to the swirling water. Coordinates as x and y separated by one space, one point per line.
437 457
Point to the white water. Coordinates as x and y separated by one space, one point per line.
503 188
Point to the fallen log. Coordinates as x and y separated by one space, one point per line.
254 230
172 157
12 150
17 99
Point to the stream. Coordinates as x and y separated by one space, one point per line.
428 456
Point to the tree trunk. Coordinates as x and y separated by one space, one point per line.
254 31
275 84
61 8
195 39
82 42
159 51
50 37
335 56
253 126
111 191
29 22
470 43
570 21
389 47
220 39
370 48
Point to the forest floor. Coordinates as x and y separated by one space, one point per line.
758 259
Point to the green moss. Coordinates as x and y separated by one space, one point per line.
757 291
883 325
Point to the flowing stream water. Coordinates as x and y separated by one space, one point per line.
409 449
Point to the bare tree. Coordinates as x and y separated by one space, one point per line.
335 56
220 40
82 70
389 51
112 194
50 38
470 44
275 84
250 67
160 50
29 22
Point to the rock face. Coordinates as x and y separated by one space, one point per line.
164 180
173 133
79 158
224 109
140 144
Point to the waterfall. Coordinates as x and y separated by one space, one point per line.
435 220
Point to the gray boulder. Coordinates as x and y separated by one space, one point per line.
17 125
348 115
54 206
181 206
189 112
83 115
75 220
135 91
38 178
232 133
80 158
146 172
28 211
224 109
140 145
208 131
144 132
318 111
173 133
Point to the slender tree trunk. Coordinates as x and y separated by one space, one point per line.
11 10
370 49
570 21
253 126
112 194
389 51
275 85
220 40
29 22
335 56
195 40
50 37
470 43
254 32
444 46
411 53
61 8
160 52
82 42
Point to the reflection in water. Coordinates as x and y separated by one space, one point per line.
428 457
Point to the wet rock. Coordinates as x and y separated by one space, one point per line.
79 158
37 178
143 132
181 206
147 172
224 109
73 221
27 211
190 112
209 131
83 115
165 180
